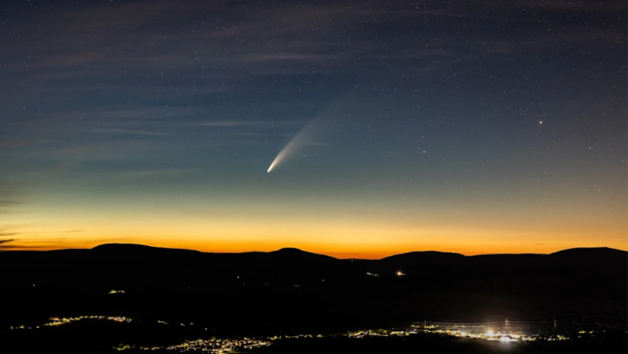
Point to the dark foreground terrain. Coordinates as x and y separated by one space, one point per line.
290 291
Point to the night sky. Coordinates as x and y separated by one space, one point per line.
461 126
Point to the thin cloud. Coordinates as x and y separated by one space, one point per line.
142 114
241 123
33 244
3 244
152 173
126 131
8 200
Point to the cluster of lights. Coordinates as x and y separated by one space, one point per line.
370 333
362 334
297 336
21 327
229 345
56 321
491 335
216 345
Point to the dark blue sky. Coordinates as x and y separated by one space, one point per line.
442 124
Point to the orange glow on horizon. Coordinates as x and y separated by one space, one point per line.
345 232
346 252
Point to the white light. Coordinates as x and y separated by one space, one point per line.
504 339
490 333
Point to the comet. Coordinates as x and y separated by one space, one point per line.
282 155
295 144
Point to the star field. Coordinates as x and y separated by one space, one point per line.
464 126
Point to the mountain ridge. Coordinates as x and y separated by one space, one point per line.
289 287
110 247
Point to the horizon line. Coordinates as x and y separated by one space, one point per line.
26 249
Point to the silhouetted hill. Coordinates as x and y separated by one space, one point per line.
136 249
290 289
590 251
423 257
292 257
590 257
429 262
123 260
295 253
